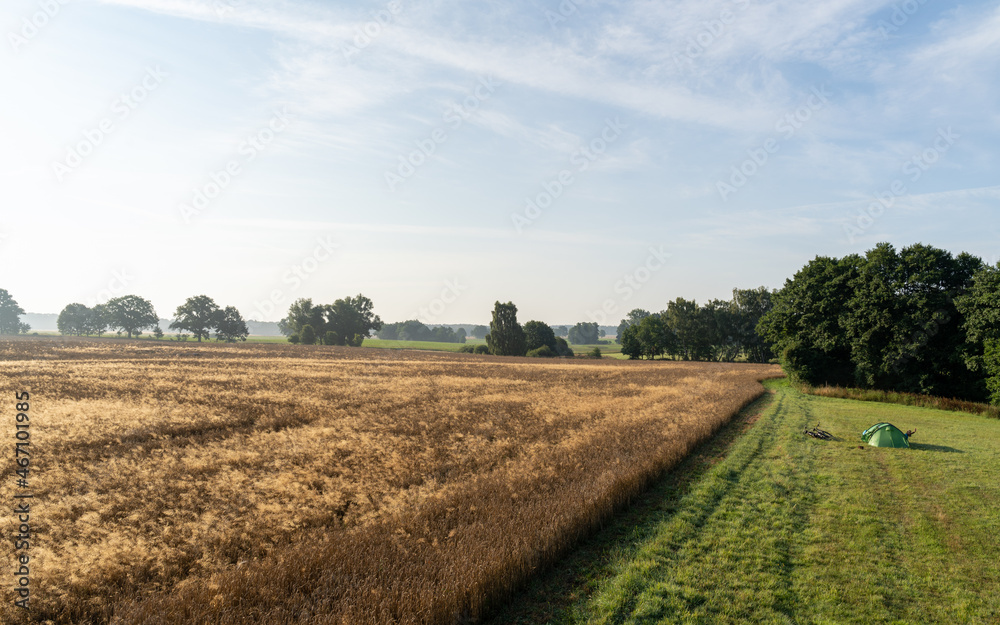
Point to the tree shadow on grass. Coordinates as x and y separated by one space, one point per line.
941 448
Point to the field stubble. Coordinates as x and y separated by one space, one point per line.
287 484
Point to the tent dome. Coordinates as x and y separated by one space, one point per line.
885 435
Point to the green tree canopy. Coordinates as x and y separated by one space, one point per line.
198 315
74 319
10 315
538 334
131 314
634 316
506 337
584 333
231 326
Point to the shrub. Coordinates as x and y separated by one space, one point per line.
294 339
596 353
563 350
542 352
331 338
467 349
482 349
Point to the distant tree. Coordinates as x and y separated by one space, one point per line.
131 314
718 320
74 319
307 335
537 334
631 346
158 333
634 316
99 319
331 338
562 348
750 306
584 333
352 317
198 315
389 332
230 326
461 334
479 332
654 336
506 337
10 315
690 328
562 331
300 313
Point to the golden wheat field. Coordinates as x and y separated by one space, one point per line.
187 483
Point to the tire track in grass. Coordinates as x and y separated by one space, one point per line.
662 576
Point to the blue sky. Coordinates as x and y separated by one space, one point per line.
575 157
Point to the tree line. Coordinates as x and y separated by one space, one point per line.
718 330
346 321
916 320
414 330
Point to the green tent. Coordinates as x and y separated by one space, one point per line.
885 435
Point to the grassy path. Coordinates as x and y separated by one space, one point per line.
784 528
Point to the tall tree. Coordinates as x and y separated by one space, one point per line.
902 323
634 316
690 329
584 333
10 315
131 314
231 326
300 313
74 319
198 315
538 334
506 337
805 324
980 309
750 305
353 319
98 320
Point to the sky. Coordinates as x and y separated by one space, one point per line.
580 158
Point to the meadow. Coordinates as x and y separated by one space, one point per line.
211 483
778 527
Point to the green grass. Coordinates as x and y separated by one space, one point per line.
783 528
